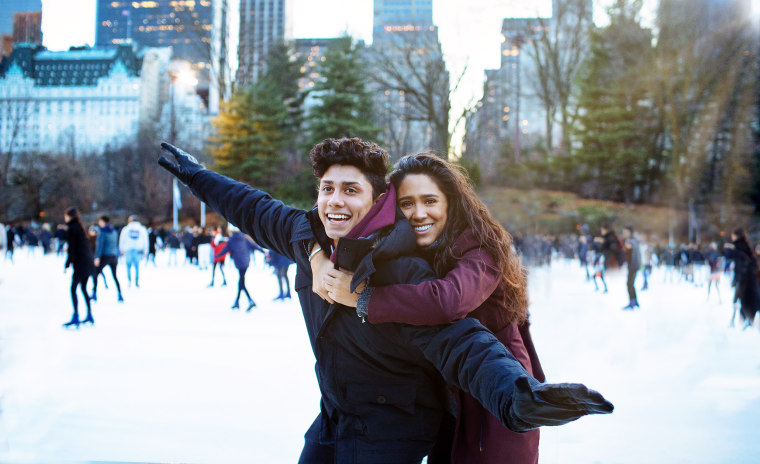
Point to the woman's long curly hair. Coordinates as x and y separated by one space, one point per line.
466 210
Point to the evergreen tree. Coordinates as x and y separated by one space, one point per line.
614 122
344 107
257 129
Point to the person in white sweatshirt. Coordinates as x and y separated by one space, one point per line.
133 244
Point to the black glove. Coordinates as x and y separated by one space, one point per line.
536 404
186 167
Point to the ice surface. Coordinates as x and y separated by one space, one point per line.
174 375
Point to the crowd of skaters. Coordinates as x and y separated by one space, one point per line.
640 252
89 250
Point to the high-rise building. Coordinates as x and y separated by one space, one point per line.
184 25
511 107
20 21
262 23
400 15
27 27
9 7
409 64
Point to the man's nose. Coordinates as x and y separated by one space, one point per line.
336 199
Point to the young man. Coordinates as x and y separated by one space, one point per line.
133 243
633 258
106 254
383 389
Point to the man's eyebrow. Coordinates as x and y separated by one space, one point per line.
345 182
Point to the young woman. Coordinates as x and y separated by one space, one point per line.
80 257
480 277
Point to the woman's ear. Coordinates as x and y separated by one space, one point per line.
378 198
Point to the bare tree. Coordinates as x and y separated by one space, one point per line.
412 74
557 47
18 119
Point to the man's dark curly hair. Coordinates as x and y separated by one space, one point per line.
368 157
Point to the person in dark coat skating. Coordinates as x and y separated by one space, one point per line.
106 254
10 241
280 265
240 248
80 258
633 258
747 293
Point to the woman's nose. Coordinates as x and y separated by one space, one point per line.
418 212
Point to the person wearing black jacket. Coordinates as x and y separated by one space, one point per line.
383 386
746 292
80 257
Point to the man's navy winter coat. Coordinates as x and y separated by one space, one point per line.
382 385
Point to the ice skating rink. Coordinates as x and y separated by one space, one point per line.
174 375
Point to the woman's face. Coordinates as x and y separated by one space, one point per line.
425 205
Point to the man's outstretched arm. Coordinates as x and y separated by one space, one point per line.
471 358
269 221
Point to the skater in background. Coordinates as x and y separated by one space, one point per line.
747 293
106 254
612 248
633 258
92 237
240 248
10 238
205 250
60 239
3 237
30 240
280 265
599 270
584 240
188 242
133 243
152 238
713 261
646 259
172 241
218 258
80 257
45 238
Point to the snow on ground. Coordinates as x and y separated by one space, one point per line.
174 375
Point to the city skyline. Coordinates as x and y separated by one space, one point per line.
470 34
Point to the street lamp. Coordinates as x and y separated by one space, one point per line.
517 41
184 77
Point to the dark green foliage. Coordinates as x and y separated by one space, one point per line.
614 128
257 130
344 106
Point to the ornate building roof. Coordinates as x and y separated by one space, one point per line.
79 66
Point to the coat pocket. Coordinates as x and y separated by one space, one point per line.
398 396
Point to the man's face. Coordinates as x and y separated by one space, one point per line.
101 223
345 197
